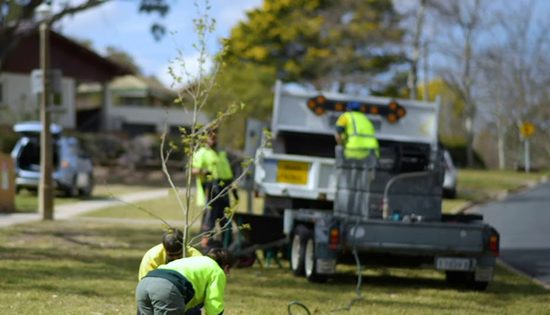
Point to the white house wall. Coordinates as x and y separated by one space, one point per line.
65 115
159 117
19 104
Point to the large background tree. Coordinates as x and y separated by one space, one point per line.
17 17
247 84
460 43
122 58
323 43
326 44
492 57
516 82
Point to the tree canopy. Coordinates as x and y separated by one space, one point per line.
250 85
325 44
320 42
122 58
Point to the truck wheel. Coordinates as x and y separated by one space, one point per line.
297 250
310 264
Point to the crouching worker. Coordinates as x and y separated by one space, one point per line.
184 284
170 249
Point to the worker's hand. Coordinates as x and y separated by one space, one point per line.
205 172
206 175
199 171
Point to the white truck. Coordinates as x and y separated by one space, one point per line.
387 211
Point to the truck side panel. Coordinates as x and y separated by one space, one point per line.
421 238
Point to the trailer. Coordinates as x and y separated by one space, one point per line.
386 211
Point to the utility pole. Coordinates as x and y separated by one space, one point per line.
45 200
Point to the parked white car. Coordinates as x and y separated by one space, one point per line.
450 179
72 169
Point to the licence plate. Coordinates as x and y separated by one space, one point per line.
452 263
292 172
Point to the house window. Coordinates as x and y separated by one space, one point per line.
130 101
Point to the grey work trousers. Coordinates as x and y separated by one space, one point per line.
158 296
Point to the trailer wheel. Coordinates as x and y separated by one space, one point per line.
297 250
310 264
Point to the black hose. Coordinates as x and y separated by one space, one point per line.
358 296
298 304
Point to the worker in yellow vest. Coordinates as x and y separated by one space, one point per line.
214 175
355 132
170 249
186 284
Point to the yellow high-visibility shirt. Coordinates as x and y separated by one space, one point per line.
208 280
156 256
224 167
359 135
216 163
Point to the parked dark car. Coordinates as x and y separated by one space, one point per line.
72 169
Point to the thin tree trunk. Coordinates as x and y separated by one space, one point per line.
426 72
413 74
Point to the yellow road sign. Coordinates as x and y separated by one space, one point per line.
527 129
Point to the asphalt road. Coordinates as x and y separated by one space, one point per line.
523 221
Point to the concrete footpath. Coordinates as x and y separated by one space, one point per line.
62 212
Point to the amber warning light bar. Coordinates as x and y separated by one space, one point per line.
319 105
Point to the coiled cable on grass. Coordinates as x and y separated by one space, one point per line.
298 304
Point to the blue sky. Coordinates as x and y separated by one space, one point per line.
119 24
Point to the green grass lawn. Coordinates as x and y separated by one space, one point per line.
167 208
27 201
476 185
86 267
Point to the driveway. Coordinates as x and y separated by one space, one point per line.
523 221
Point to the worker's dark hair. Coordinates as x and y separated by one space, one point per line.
222 256
172 240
